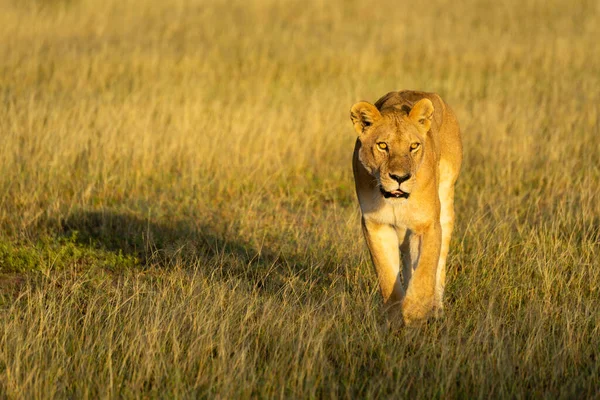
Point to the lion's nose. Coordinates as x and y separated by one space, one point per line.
399 178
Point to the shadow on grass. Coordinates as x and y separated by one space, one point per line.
179 243
144 238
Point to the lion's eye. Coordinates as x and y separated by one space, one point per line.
415 146
382 146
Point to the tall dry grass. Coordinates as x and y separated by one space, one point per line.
177 216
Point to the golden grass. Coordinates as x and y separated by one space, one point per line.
177 215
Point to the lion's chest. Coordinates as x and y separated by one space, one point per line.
398 213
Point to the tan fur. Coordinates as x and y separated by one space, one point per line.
415 226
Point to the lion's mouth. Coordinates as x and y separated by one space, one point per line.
396 194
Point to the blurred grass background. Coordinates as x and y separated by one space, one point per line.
177 211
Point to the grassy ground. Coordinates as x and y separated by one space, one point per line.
177 215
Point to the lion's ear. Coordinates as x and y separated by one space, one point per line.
421 114
363 115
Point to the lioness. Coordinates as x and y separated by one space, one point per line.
406 160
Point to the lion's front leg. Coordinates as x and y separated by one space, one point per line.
382 241
419 300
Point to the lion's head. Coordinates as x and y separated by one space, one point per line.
392 143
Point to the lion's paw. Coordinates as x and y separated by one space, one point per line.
414 312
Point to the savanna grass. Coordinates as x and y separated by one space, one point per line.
177 215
